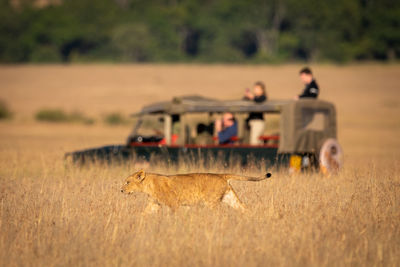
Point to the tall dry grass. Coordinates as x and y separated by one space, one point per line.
52 214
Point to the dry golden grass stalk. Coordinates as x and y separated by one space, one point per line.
56 215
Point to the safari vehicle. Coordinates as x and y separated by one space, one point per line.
299 134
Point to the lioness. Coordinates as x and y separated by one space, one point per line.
186 189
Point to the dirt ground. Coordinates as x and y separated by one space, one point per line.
55 215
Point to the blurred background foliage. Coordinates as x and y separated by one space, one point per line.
245 31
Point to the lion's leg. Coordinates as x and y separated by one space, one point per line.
232 200
152 207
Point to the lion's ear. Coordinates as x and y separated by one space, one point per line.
141 175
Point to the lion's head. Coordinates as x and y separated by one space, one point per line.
133 182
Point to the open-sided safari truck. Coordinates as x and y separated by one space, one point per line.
298 134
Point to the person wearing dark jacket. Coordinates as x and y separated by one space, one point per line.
311 90
255 122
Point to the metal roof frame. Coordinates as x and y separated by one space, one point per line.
198 104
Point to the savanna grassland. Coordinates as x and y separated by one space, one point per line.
53 214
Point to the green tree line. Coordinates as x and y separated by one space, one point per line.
249 31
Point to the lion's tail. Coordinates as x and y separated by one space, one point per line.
246 178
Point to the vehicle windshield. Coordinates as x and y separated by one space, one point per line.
151 125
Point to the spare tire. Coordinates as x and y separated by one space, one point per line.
330 157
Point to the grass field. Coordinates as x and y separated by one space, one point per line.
56 215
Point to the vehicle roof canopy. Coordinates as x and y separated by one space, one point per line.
196 104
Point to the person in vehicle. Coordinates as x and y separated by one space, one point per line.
311 90
226 128
255 121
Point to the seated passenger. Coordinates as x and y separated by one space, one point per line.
203 137
226 128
